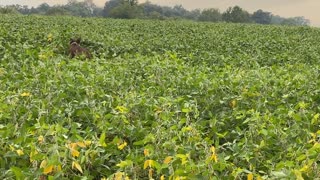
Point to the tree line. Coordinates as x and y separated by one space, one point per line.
131 9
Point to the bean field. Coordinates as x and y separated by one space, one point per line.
158 100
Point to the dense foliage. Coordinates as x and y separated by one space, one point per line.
132 9
160 99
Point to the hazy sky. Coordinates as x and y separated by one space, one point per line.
285 8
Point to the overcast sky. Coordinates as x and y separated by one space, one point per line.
286 8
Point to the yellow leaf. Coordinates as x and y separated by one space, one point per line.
41 139
162 177
214 158
298 175
148 163
122 109
118 176
103 178
189 128
213 149
58 168
124 164
48 169
184 161
146 152
77 166
81 144
183 158
43 164
150 173
75 153
250 176
304 168
20 152
50 36
233 103
25 94
126 178
157 110
259 178
32 154
73 145
87 143
121 146
167 160
42 56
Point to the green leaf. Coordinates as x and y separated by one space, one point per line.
102 139
185 110
279 174
17 172
125 163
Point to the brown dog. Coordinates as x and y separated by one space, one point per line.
76 50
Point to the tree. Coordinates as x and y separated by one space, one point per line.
236 15
109 5
261 17
150 10
167 11
33 11
57 11
296 21
155 15
97 12
132 2
90 5
24 10
21 9
275 19
293 21
301 21
43 8
179 11
212 15
8 10
193 15
83 9
126 9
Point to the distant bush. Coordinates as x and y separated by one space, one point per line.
8 10
57 11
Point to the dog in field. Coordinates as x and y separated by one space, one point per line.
76 50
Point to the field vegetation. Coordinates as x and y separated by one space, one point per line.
158 100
